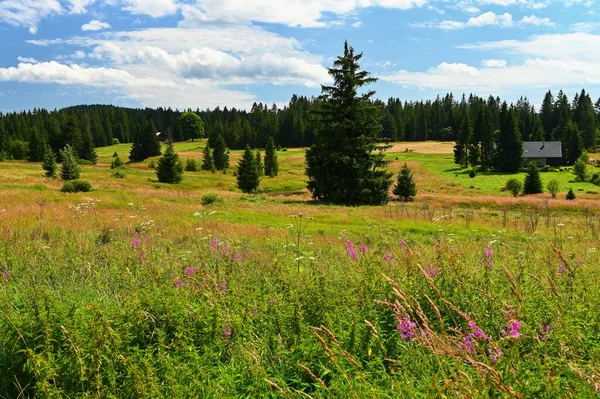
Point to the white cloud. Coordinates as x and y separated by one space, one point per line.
154 8
95 25
79 6
536 21
559 60
486 19
587 27
302 13
27 60
28 13
494 63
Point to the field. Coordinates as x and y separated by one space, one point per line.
138 290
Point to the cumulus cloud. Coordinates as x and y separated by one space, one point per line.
95 25
28 13
536 21
79 6
27 60
494 63
486 19
154 8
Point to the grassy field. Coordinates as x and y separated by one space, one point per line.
137 290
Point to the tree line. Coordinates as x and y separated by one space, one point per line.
468 120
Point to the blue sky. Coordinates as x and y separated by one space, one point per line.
204 53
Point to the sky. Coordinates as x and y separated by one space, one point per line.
206 53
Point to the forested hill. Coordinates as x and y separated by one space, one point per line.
292 126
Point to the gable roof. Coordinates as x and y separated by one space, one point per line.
542 149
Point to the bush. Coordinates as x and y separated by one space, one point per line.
76 186
472 173
571 195
580 170
119 174
116 141
211 198
514 186
117 162
191 165
152 164
19 150
546 168
553 187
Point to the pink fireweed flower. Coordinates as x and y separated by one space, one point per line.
353 254
489 252
401 242
178 284
190 271
562 269
227 332
363 248
147 239
545 332
514 329
349 244
5 276
214 244
494 355
477 332
223 287
137 241
388 257
236 257
225 247
406 328
432 272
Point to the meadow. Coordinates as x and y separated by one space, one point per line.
143 290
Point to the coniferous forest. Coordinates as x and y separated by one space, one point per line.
475 123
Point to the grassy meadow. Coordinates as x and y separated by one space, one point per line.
139 290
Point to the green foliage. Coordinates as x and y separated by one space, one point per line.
191 165
509 143
69 169
260 167
571 195
169 168
115 141
119 174
145 144
271 164
345 165
76 186
580 170
211 198
37 146
533 181
221 154
553 187
514 186
49 164
87 150
19 150
573 143
406 188
191 125
208 162
116 162
472 173
247 172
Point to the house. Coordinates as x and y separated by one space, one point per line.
543 152
164 137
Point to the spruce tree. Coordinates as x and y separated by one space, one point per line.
571 195
169 168
49 164
208 162
221 154
145 143
260 167
247 172
69 169
271 164
533 181
87 150
509 143
346 163
37 146
573 143
406 188
116 162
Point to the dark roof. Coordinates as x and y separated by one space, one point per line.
541 149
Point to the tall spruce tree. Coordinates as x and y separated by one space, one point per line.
169 168
145 143
208 162
572 142
87 150
69 170
260 167
533 181
221 154
247 172
346 164
271 164
406 188
509 143
36 146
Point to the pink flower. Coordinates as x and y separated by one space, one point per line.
223 287
147 239
562 269
406 328
237 257
225 247
388 257
178 284
214 244
136 242
363 248
432 272
489 252
227 332
353 254
515 329
349 244
190 271
5 276
401 242
494 356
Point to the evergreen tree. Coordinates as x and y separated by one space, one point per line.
509 143
533 181
345 165
221 154
570 195
49 164
191 165
145 144
547 115
69 169
191 126
247 172
580 170
271 164
260 167
3 139
406 188
572 142
37 146
208 162
87 150
484 129
116 162
169 168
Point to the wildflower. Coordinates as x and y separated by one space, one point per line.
254 311
214 244
562 269
515 327
432 272
401 242
5 276
469 344
349 244
489 252
406 328
147 239
363 248
225 247
477 332
494 355
227 332
190 271
178 284
353 254
136 242
223 287
388 257
545 332
237 257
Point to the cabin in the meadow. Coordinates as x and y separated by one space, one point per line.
543 152
164 137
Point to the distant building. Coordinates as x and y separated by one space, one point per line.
162 136
543 152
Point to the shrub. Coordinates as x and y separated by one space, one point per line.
546 168
472 173
152 164
211 198
553 187
19 150
191 165
514 186
119 174
580 170
115 141
571 195
76 186
117 162
533 182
